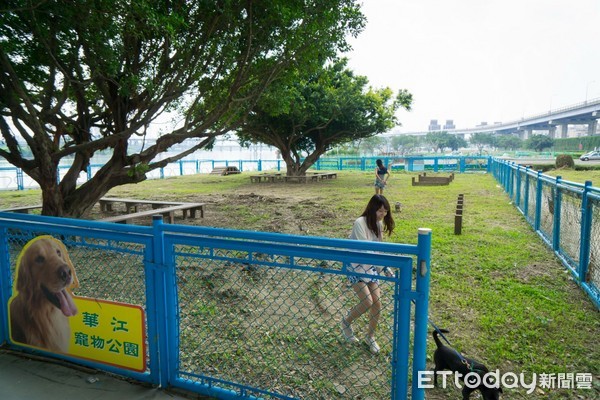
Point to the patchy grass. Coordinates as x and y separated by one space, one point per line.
499 290
572 175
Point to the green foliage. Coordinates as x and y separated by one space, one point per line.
405 144
482 139
373 145
308 115
564 161
581 144
539 142
442 140
138 169
83 77
508 142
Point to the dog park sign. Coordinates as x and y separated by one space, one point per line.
109 332
44 313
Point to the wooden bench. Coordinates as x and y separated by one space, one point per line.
424 180
312 176
225 171
299 179
168 213
265 178
23 209
132 204
323 175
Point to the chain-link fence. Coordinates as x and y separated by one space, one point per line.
565 215
248 314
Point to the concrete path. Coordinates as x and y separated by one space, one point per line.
36 378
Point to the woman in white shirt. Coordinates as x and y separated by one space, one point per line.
371 225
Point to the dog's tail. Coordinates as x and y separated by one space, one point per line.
438 343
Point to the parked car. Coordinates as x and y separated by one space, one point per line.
592 155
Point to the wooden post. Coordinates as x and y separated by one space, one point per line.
458 215
457 224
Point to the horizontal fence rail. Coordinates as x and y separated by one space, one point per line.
12 178
237 314
566 215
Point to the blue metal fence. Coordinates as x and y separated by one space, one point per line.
238 314
566 215
12 178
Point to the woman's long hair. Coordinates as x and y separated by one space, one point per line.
370 215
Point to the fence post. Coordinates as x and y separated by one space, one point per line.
538 202
180 167
421 310
518 195
5 284
20 184
586 231
526 199
557 207
508 182
159 298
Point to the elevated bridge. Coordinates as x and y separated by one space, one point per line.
555 122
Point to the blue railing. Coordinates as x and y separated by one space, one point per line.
12 178
566 215
237 314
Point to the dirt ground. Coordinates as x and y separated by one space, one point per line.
264 207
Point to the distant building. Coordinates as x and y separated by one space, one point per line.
434 126
449 125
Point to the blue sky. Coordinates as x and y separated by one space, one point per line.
481 60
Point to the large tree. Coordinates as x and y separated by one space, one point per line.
539 142
439 140
482 139
405 144
509 142
80 77
308 115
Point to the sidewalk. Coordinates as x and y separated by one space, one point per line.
36 378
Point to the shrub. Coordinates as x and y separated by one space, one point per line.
564 161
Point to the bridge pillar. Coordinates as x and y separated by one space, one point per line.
564 130
552 131
592 127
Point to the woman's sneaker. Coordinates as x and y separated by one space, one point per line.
373 346
348 332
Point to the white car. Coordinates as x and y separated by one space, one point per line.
592 155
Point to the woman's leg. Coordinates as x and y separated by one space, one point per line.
365 301
375 308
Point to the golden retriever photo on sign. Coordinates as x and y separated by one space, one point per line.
42 300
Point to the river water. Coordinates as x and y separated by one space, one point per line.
201 161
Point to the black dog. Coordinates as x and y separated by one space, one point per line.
448 358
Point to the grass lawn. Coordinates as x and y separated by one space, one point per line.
500 291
